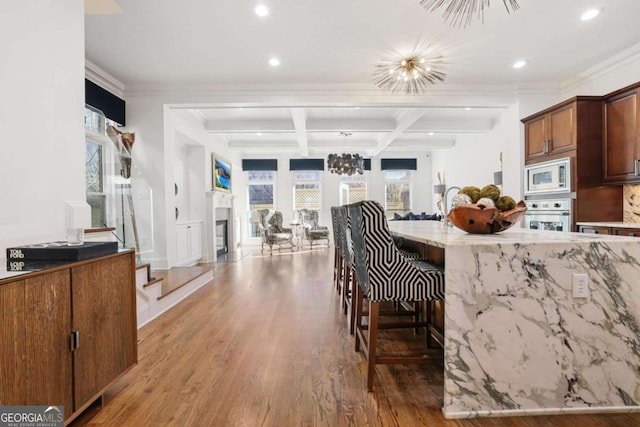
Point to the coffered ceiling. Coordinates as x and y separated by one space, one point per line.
222 44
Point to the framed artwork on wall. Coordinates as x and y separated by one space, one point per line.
220 173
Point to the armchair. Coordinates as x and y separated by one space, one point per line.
312 230
271 230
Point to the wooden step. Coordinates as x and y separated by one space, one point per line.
152 282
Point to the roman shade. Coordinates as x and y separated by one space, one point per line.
259 164
306 164
398 164
112 106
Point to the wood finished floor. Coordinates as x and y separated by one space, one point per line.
265 344
173 279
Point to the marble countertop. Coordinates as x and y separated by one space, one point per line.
435 233
619 224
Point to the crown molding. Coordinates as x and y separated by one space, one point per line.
103 79
338 95
605 67
542 88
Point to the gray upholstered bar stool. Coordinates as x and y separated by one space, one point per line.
383 274
338 257
348 275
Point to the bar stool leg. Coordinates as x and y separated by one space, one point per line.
346 286
374 311
352 307
358 315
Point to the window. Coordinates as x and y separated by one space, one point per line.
397 188
99 161
306 190
261 190
352 191
96 196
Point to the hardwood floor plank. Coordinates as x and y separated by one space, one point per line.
266 344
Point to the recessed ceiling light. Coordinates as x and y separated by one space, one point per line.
259 133
274 62
519 64
431 133
590 14
261 10
467 109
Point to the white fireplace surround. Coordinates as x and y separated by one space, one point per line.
219 207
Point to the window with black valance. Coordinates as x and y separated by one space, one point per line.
398 164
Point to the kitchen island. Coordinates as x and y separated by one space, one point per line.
517 341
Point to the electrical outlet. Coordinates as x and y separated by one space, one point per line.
581 285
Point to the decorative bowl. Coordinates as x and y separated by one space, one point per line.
482 219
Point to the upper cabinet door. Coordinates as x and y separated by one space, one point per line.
535 137
621 152
562 130
550 133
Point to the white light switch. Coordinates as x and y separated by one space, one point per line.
581 286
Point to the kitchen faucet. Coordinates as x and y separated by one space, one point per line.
446 193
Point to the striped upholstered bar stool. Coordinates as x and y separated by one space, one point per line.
383 274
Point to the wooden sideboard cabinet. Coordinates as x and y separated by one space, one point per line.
621 151
67 333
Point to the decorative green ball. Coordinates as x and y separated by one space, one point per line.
490 191
471 191
505 203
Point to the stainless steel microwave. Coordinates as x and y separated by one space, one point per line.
548 177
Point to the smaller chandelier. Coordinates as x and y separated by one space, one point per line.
346 164
410 74
462 11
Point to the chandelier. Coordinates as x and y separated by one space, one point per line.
410 74
347 164
462 11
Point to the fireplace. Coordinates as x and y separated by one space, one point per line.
222 237
220 225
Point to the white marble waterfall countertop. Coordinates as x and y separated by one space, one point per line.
435 233
517 341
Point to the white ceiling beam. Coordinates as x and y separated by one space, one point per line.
270 145
338 125
405 119
452 125
299 116
242 126
436 144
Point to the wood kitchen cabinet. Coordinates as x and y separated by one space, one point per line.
67 333
617 231
621 145
589 229
558 130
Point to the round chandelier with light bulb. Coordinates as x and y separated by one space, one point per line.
460 12
411 74
345 164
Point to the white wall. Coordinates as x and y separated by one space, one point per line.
474 158
615 73
41 118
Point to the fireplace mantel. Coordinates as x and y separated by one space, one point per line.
217 200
